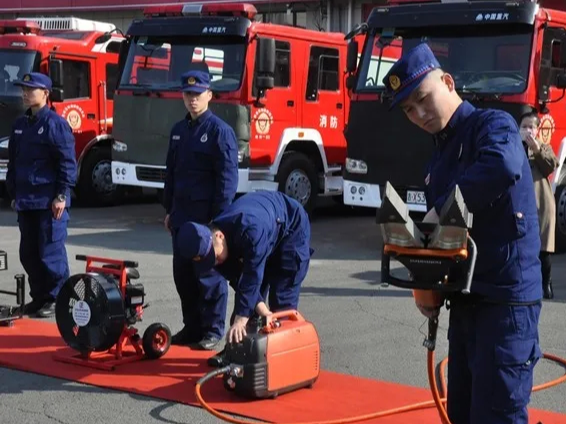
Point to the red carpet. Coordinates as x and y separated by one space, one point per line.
29 346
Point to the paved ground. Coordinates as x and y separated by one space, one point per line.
365 329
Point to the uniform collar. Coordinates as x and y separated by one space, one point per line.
40 113
200 119
462 112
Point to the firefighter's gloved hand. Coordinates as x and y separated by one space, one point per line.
427 311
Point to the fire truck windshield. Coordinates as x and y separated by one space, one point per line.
481 59
13 65
157 63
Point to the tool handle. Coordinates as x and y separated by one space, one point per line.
291 314
472 248
20 289
121 263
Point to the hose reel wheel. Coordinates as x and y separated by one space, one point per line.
90 312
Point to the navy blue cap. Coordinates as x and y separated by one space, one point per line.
195 81
35 80
194 241
409 71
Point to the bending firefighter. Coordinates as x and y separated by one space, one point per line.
493 332
261 244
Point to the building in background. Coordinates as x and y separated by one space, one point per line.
322 15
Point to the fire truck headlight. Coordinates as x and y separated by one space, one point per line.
118 146
4 142
355 166
243 152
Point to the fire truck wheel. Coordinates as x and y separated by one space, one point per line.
95 187
560 234
297 177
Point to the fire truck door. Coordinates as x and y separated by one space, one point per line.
324 108
280 106
80 99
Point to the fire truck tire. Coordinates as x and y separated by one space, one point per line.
95 186
560 234
297 178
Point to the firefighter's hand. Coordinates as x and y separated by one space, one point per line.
58 207
431 217
262 310
166 223
237 331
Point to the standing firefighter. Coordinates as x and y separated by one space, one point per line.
41 171
493 332
201 181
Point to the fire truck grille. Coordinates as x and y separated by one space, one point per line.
154 175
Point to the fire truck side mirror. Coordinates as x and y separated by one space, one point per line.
56 72
103 38
57 95
265 63
352 57
561 80
562 53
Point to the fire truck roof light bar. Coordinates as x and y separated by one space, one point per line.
19 26
70 24
225 9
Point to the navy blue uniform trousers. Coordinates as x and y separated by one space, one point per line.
42 252
203 297
499 346
286 269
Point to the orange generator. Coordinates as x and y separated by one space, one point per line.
280 353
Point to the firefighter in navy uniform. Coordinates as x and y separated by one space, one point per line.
493 333
261 243
201 181
41 171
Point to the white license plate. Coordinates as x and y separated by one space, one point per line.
416 197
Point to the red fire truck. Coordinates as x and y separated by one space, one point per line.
81 56
506 55
281 88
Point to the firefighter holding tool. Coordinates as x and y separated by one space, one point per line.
41 172
201 181
262 239
493 332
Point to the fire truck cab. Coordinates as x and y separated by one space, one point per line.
281 88
81 57
505 55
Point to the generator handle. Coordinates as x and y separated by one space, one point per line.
292 314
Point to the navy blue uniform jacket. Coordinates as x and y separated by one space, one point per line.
42 161
481 151
202 169
256 225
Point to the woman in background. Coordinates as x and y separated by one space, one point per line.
543 162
